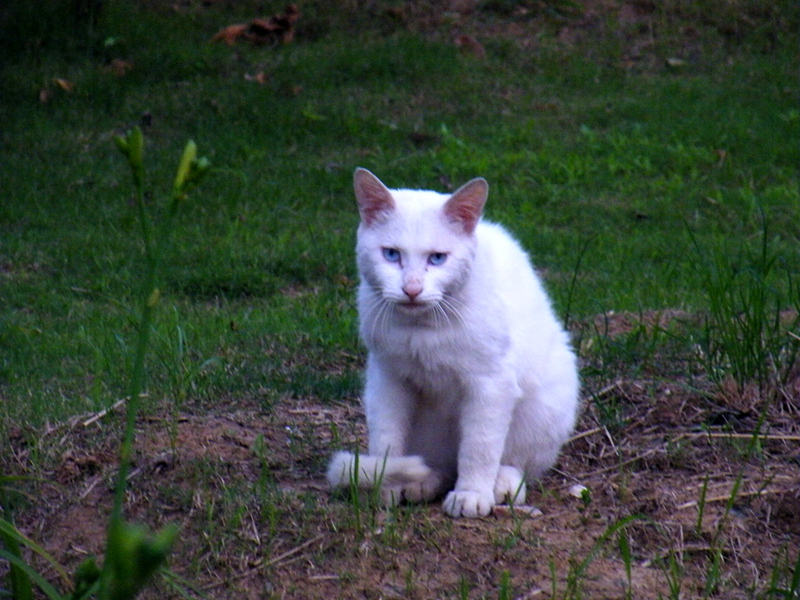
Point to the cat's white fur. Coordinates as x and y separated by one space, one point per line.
471 385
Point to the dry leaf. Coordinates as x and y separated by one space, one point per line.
45 95
276 29
259 77
469 45
119 67
230 34
463 7
286 22
64 84
262 31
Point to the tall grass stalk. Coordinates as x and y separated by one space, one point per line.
367 504
714 572
673 574
577 575
133 554
793 588
506 592
701 508
745 329
123 575
627 560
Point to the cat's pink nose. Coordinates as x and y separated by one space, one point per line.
412 290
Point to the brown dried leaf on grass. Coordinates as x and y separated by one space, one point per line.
46 93
469 45
260 77
277 29
230 34
119 67
64 84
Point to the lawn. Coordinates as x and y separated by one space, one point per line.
645 153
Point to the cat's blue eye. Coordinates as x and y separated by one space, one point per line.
437 258
391 254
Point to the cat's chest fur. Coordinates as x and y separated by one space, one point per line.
438 361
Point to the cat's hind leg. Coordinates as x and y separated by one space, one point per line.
424 489
365 471
430 488
399 478
509 488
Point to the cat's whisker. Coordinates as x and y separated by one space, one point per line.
450 307
438 313
454 302
446 315
378 310
386 312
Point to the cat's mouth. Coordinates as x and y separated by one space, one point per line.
412 306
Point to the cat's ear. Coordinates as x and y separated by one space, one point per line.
465 206
374 199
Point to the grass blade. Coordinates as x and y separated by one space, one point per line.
19 563
8 531
19 580
625 552
701 507
794 585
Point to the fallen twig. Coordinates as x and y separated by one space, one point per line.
586 433
742 436
262 563
620 464
696 548
607 390
727 497
97 416
294 550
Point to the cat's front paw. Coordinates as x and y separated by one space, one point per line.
509 486
466 503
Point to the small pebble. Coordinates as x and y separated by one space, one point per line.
577 490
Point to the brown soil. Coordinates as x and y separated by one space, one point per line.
247 488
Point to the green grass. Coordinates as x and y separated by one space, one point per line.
605 173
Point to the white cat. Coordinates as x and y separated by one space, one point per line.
471 385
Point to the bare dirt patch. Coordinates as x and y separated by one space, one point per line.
676 471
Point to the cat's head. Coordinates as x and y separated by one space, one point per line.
416 248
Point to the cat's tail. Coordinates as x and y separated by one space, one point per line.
365 471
